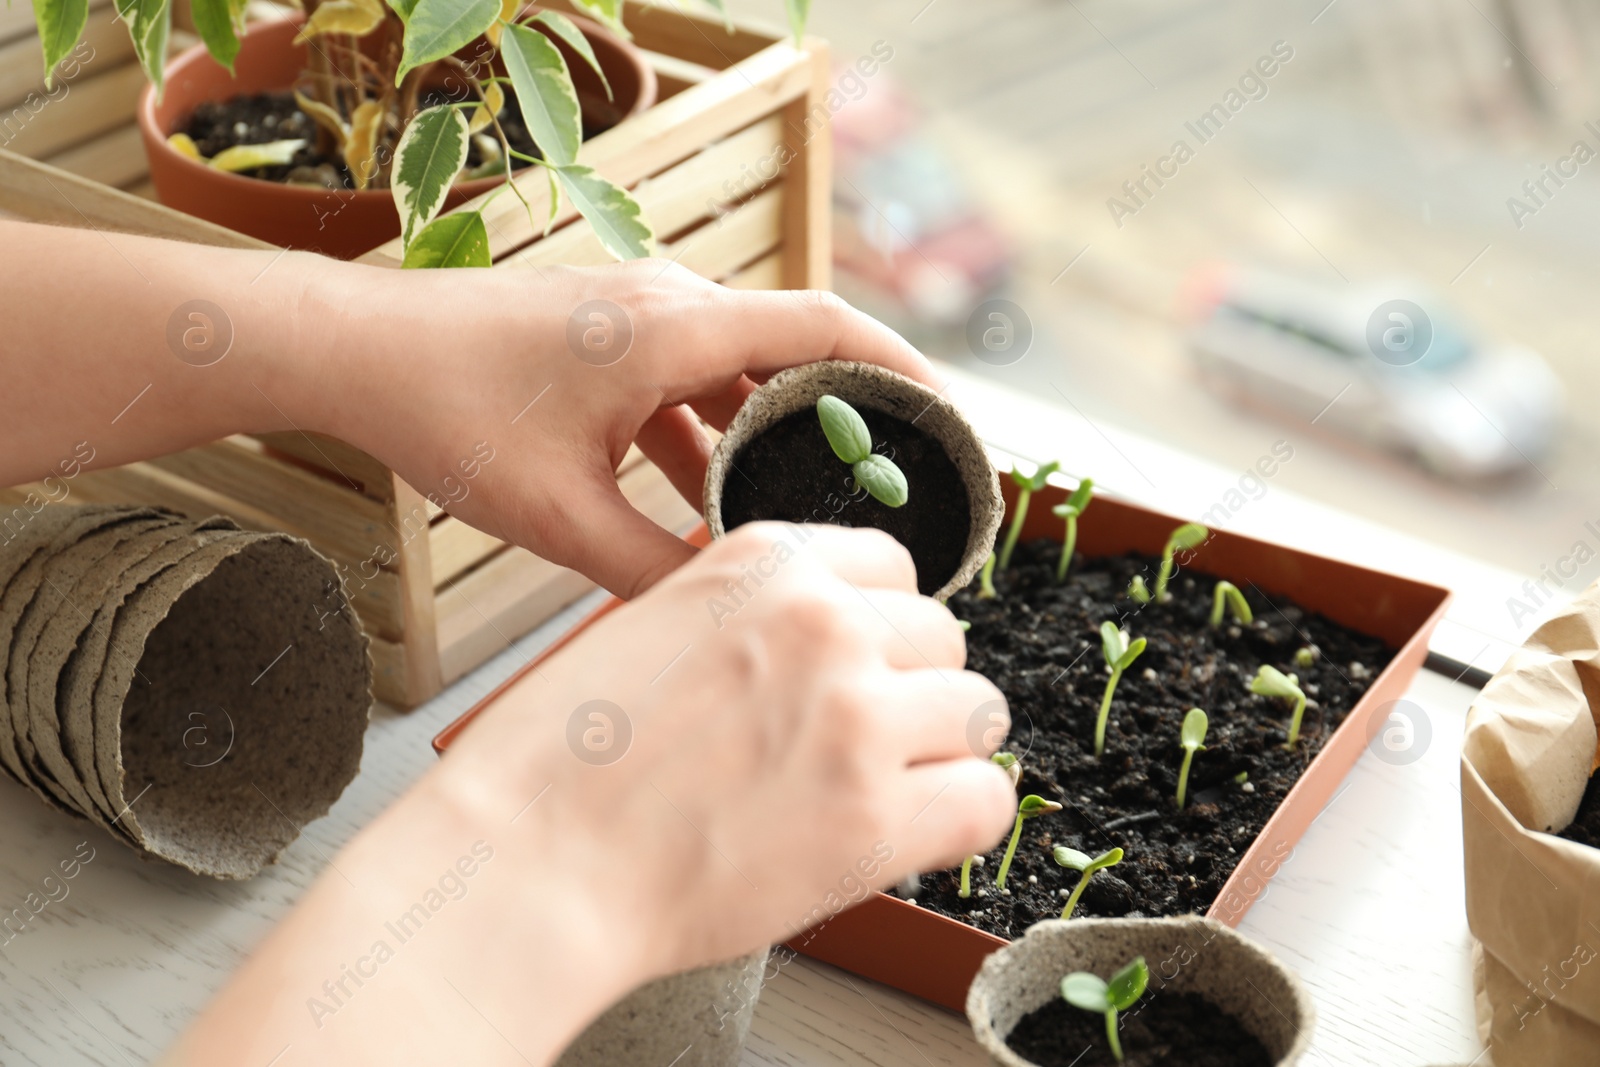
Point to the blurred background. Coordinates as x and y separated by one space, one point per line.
1343 255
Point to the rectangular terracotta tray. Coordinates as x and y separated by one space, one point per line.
910 948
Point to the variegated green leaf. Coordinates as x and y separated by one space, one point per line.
799 15
722 9
615 216
607 12
545 95
435 28
253 156
430 154
149 23
214 20
402 8
568 31
60 24
459 240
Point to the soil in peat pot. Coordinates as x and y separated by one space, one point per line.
789 473
263 117
1585 825
1039 643
1162 1030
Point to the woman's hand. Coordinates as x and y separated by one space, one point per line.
771 732
555 373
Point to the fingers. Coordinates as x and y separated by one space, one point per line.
866 558
718 409
945 715
914 632
603 536
674 441
951 810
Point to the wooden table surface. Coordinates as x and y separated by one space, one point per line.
1369 910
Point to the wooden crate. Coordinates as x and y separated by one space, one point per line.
733 105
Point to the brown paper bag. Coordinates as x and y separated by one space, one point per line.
1533 900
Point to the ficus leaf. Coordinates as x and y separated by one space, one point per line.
616 217
879 476
426 161
844 428
545 96
508 11
608 12
149 24
403 8
326 117
361 148
568 31
494 100
250 156
184 145
456 240
1193 734
1087 991
1128 984
435 28
60 24
355 17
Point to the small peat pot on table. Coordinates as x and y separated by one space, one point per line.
1140 993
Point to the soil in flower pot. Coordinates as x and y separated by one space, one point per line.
1039 643
262 117
1585 825
1164 1030
789 473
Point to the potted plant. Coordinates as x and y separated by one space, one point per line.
357 121
1099 992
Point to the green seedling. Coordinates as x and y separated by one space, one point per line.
1305 657
1193 739
1013 770
1087 991
1026 487
964 624
1074 860
1241 778
1138 590
1271 682
850 440
986 579
1120 654
1189 535
1031 807
1228 596
1075 506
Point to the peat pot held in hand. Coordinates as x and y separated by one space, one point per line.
699 1018
344 223
776 462
1214 999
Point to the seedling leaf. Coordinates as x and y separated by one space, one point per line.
1071 858
1128 984
1030 807
880 477
1194 729
1113 643
1228 596
1271 682
844 428
1189 535
1086 991
1040 477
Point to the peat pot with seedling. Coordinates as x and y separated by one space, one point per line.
1195 797
1138 993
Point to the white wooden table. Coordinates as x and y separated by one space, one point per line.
1369 910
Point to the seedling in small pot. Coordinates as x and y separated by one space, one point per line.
1087 991
1305 657
1189 535
1271 682
986 580
1074 860
850 440
1013 770
1075 506
1120 654
1026 487
1228 597
1138 590
1032 806
1193 739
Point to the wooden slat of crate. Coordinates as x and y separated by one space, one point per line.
105 44
91 105
115 159
649 143
764 273
336 460
480 614
674 75
692 36
721 247
672 201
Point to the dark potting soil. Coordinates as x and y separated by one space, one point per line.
1585 826
263 117
790 474
1162 1030
1039 643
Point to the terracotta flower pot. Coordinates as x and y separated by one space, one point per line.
1187 955
696 1019
868 387
342 223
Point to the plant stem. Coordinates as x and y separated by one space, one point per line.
986 580
1077 891
1067 545
1294 723
1163 576
966 879
1105 714
1011 850
1183 777
1021 513
1111 1034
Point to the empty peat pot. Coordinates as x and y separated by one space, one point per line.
775 463
1188 955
